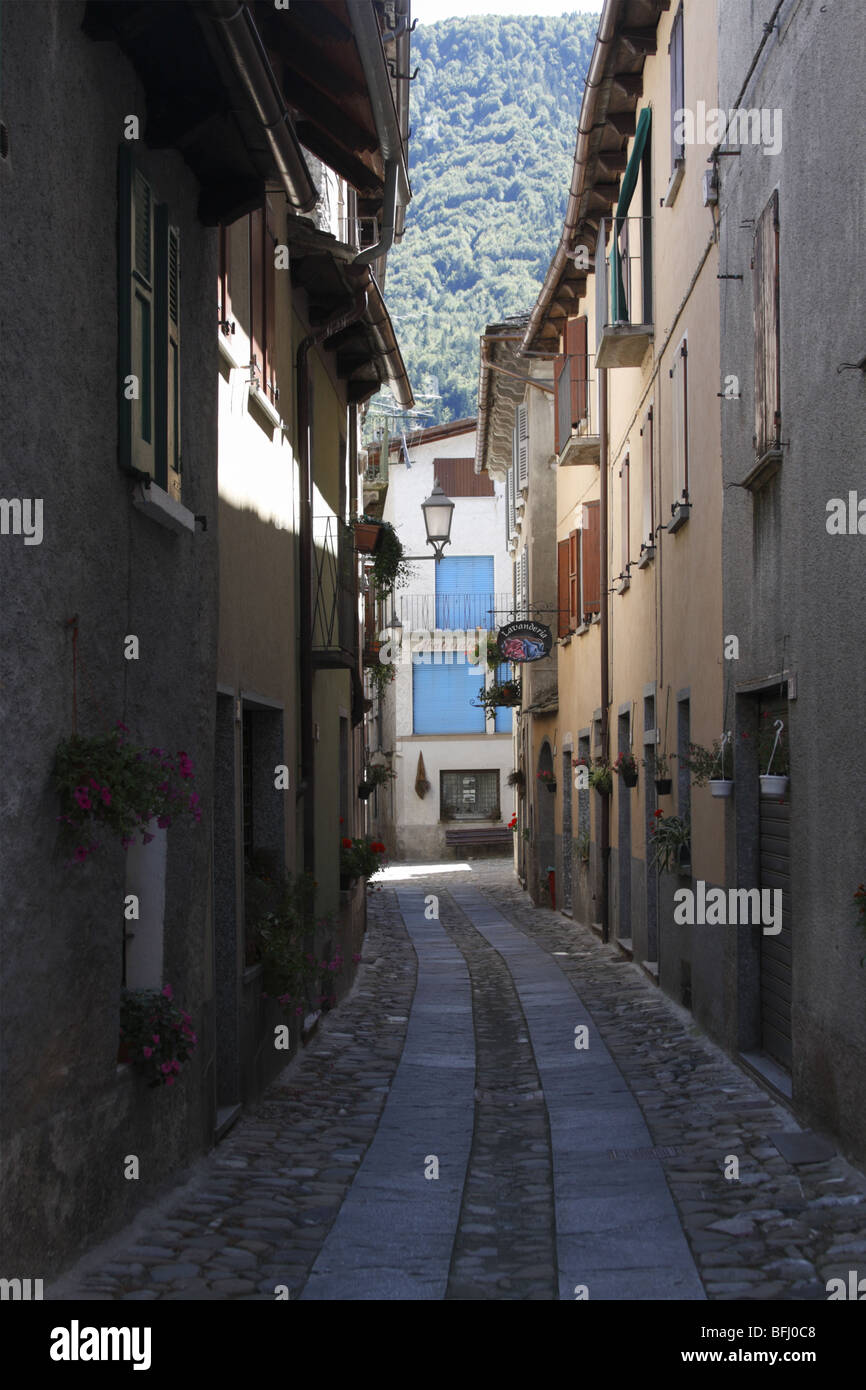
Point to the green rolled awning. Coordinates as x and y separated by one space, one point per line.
618 301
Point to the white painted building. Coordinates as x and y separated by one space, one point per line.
430 728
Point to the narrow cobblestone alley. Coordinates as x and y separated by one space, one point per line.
444 1135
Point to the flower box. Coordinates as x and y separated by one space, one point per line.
720 786
367 537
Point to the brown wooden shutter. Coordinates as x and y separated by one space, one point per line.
562 588
457 478
561 384
257 287
269 291
591 558
575 346
765 289
574 615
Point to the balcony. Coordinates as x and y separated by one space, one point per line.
336 621
624 315
577 439
454 612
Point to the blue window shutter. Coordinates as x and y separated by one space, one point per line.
442 696
504 714
464 592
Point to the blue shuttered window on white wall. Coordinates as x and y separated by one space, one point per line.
441 698
464 592
443 691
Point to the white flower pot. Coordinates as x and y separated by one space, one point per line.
773 786
721 787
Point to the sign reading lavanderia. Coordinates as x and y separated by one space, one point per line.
525 641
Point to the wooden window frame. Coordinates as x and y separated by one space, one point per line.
625 518
149 284
648 515
767 337
677 86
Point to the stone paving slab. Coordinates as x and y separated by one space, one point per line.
438 1058
581 1126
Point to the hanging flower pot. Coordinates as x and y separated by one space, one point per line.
365 790
772 785
664 785
601 777
551 786
626 766
367 536
721 786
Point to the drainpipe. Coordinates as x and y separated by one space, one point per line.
605 685
389 219
307 785
241 41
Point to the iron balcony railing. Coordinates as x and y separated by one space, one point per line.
624 272
574 389
336 619
454 612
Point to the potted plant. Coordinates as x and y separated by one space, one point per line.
381 674
712 766
368 534
517 779
365 789
359 858
108 785
156 1035
671 842
626 766
379 774
283 921
389 570
601 777
512 824
501 694
660 768
547 779
773 747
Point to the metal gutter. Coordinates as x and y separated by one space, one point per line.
369 41
239 37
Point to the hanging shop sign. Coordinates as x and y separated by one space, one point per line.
525 641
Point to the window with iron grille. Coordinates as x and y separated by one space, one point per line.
469 795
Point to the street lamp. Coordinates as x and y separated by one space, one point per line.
438 510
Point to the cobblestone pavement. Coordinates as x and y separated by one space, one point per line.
529 1188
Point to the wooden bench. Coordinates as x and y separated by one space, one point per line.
479 835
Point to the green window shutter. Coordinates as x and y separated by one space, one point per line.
167 354
136 300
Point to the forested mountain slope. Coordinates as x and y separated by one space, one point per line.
494 118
